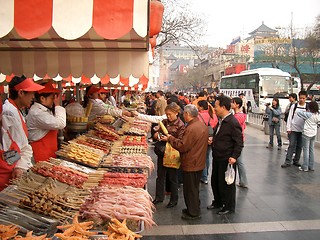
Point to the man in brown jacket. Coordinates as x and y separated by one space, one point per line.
193 149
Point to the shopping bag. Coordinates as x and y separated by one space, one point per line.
229 174
171 158
159 148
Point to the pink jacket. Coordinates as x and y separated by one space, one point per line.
204 114
241 117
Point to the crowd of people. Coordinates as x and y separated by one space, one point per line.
207 130
213 134
301 120
224 120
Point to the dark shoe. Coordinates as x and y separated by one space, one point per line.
214 206
224 212
185 211
171 205
285 165
242 185
269 146
279 147
296 164
156 201
189 217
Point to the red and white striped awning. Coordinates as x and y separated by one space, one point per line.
74 37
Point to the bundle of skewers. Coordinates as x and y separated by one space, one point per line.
106 119
81 154
121 203
106 130
104 178
125 161
119 149
61 173
93 142
44 195
134 141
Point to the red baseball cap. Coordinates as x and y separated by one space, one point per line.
48 88
103 90
92 90
28 85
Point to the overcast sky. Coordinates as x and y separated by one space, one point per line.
228 19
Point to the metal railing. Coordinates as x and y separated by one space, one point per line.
257 120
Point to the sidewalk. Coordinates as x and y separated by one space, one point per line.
279 204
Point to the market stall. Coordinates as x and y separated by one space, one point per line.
105 166
81 41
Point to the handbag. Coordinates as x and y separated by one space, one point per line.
171 158
275 120
210 129
229 174
159 148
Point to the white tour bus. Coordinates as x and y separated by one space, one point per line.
259 86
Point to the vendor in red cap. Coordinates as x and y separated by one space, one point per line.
45 118
102 94
99 108
17 153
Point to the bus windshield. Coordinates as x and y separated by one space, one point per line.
275 86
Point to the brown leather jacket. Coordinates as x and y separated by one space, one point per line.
175 128
192 146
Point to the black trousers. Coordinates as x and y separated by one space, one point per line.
224 194
172 177
191 183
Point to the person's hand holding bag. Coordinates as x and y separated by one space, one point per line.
229 174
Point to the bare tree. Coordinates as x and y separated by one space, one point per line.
312 51
193 80
301 55
180 25
307 53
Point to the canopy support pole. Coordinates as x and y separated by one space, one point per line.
60 133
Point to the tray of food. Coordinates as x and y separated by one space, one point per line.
23 221
117 162
61 173
93 142
81 154
130 203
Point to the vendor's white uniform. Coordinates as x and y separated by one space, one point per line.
151 118
113 101
43 129
15 132
99 108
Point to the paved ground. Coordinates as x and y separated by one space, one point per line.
279 204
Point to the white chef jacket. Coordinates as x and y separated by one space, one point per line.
99 108
11 122
40 120
151 118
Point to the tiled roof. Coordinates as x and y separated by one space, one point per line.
178 63
171 57
262 30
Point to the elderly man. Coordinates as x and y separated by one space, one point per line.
193 149
226 148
